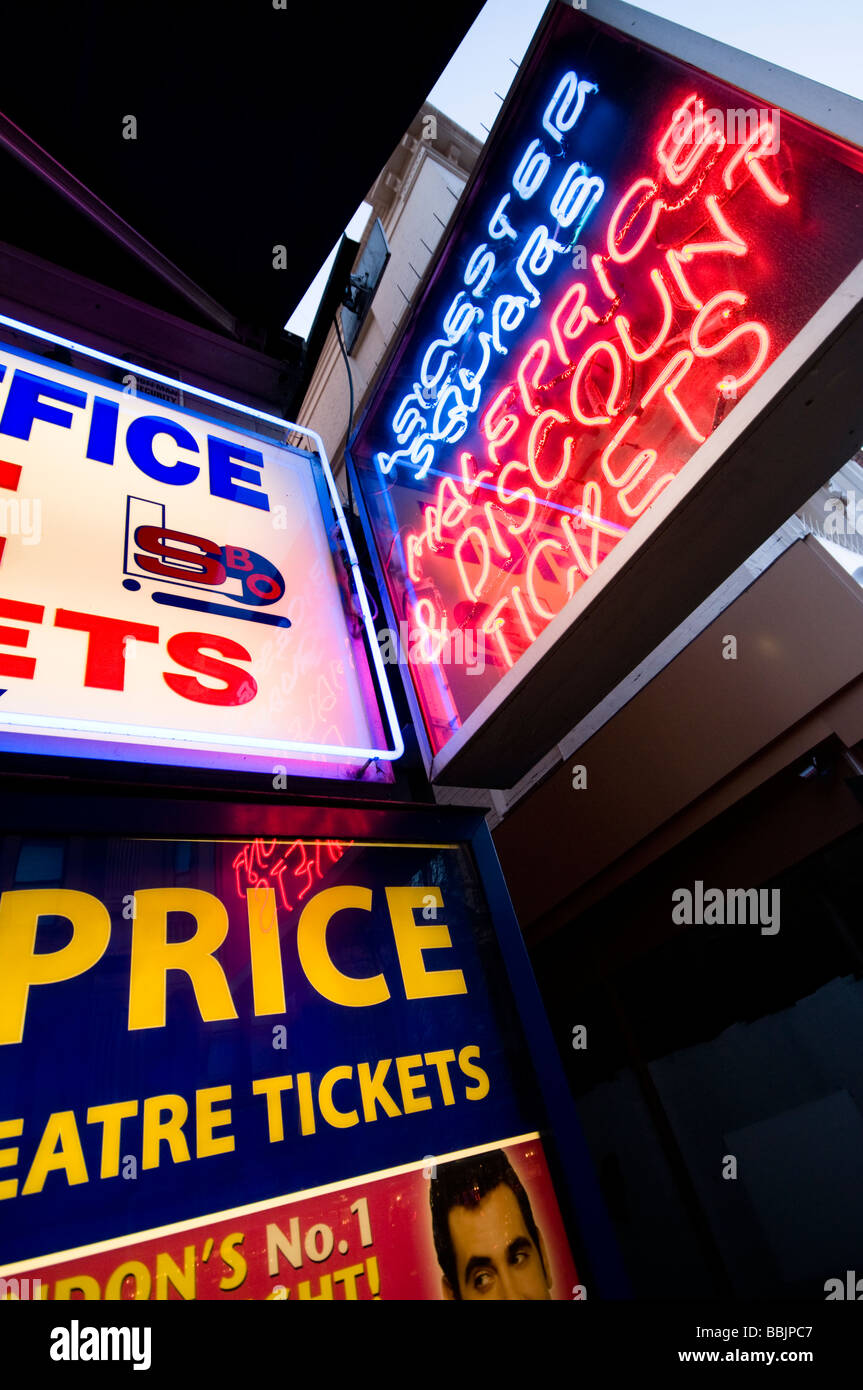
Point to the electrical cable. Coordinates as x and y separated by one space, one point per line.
348 436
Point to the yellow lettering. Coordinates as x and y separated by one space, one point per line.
21 966
9 1129
320 972
410 1084
170 1130
153 955
272 1087
413 938
132 1269
110 1117
59 1148
183 1280
206 1120
268 981
339 1119
480 1090
79 1283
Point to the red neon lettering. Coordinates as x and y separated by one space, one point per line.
695 133
549 543
538 438
508 498
758 329
499 431
621 323
731 244
672 260
649 496
667 382
471 484
541 350
485 561
614 394
493 626
522 612
638 458
764 141
577 319
648 191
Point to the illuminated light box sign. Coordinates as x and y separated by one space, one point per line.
275 1105
176 589
638 247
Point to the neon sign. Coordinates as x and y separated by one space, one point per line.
566 365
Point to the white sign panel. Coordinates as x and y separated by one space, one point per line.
169 582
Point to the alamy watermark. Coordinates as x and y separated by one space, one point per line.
423 646
737 125
721 907
843 516
21 516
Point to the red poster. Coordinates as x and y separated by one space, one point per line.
484 1224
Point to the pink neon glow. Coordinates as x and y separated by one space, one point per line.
524 492
672 259
473 531
614 237
548 543
539 349
635 461
617 381
690 136
522 612
536 444
758 329
493 625
621 323
581 314
764 140
667 382
499 431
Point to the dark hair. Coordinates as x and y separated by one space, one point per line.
464 1183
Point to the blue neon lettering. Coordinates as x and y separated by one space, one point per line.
24 406
566 105
456 419
102 440
407 419
139 441
226 472
531 171
479 267
537 256
427 380
507 314
449 390
500 225
459 317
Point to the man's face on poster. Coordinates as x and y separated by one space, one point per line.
495 1256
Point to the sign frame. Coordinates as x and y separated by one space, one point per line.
589 1227
308 758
